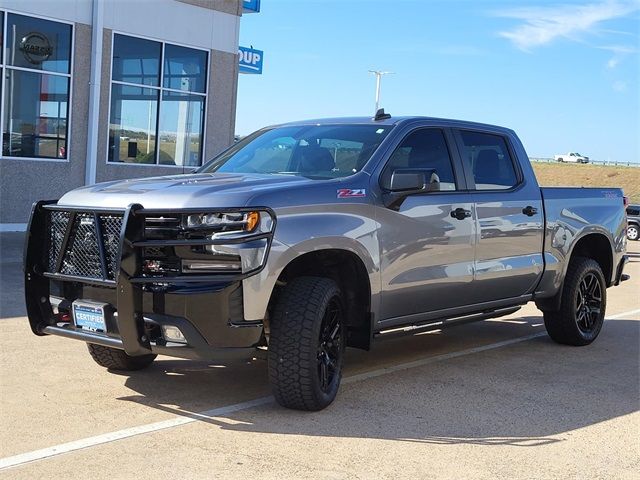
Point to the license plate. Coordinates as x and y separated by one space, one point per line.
89 316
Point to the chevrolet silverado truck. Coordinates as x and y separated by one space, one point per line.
305 238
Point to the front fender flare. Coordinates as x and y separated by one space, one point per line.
257 290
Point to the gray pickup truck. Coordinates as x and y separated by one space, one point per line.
305 238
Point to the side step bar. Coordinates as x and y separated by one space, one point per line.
445 323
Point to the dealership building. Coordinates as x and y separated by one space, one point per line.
98 90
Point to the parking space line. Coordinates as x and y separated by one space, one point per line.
623 314
188 417
128 432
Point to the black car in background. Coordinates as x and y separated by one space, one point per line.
633 222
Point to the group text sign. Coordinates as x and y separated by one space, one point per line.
250 60
250 6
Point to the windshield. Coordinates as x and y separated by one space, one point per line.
314 151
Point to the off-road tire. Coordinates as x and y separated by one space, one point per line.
562 325
115 359
295 343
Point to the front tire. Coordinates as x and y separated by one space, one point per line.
307 343
632 232
116 359
582 307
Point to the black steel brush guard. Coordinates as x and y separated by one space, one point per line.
128 280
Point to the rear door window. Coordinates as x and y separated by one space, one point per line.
489 159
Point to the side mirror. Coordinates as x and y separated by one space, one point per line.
403 181
413 180
410 181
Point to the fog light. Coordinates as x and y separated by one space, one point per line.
173 334
206 266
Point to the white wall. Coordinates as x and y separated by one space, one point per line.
70 10
166 20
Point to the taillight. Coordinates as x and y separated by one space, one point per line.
625 201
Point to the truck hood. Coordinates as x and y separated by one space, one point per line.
180 191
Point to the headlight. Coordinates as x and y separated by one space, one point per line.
246 249
243 222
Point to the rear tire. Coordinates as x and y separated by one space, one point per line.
582 307
115 359
306 344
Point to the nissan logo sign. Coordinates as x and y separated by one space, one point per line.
36 48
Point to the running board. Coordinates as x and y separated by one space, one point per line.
444 323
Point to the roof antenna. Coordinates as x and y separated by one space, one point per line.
380 115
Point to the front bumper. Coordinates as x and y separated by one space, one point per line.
206 308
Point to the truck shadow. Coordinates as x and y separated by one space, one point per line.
527 394
11 276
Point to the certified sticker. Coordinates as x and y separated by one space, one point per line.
351 192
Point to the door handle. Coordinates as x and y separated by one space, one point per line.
529 211
460 213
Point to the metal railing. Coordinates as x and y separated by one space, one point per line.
607 163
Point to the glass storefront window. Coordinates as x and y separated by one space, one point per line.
35 115
181 129
132 128
166 103
38 44
136 60
184 69
36 86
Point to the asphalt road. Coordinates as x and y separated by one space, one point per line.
495 399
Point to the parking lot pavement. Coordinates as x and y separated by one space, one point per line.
485 400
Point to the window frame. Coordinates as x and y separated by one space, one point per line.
160 89
454 158
468 168
70 76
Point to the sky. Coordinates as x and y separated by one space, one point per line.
564 75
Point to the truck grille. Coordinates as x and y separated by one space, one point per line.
80 256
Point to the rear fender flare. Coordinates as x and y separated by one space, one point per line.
553 303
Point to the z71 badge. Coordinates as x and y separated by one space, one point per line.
351 192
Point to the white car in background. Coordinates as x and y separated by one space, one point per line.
572 157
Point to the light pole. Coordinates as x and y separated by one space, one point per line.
378 74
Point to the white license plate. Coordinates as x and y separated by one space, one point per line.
89 316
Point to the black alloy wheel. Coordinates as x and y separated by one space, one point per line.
307 341
583 304
330 345
588 303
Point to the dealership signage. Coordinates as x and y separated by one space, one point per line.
250 60
36 48
251 6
